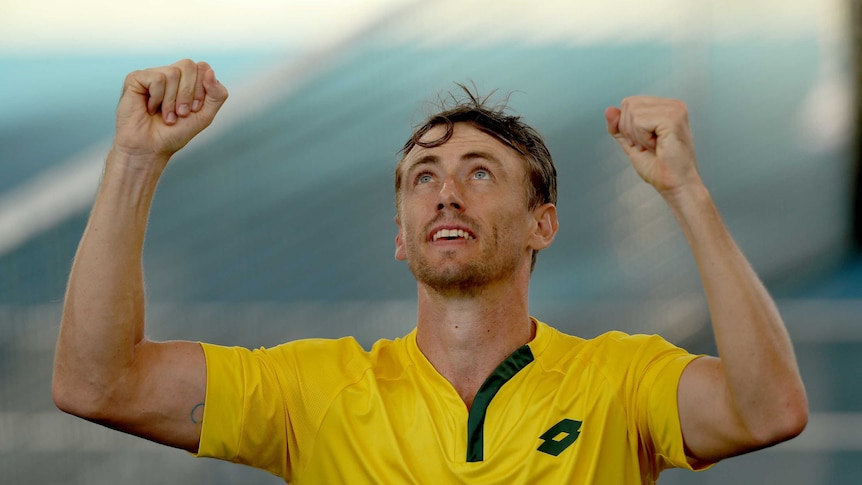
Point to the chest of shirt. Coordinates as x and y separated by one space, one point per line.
538 427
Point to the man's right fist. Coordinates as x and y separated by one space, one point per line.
163 108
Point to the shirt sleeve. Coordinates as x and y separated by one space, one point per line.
658 366
245 419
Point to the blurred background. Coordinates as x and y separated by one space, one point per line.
277 223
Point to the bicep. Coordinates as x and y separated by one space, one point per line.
164 397
711 428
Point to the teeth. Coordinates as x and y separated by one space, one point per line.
447 233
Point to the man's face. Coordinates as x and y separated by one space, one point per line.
463 219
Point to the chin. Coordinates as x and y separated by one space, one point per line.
459 279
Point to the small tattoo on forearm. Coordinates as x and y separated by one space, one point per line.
197 414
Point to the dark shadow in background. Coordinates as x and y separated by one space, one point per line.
856 42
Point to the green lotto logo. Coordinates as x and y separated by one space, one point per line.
559 437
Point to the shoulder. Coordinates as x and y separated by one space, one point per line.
616 341
343 357
342 352
613 351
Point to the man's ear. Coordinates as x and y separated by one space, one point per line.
546 226
400 252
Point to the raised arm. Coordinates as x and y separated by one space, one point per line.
752 395
105 369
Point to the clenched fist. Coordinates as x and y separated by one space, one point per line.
655 134
163 108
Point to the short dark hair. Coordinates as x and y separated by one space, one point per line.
495 121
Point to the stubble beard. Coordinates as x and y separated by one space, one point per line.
469 278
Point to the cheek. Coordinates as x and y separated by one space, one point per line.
409 231
514 227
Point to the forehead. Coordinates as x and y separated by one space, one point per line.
466 140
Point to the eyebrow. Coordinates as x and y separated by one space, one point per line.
473 155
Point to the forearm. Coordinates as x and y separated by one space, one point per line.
103 314
757 358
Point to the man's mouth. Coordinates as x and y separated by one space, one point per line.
451 234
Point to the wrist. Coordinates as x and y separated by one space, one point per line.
132 175
689 201
139 165
687 195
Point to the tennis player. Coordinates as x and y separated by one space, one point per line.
480 391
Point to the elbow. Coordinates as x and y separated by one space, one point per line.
65 397
76 398
788 421
796 420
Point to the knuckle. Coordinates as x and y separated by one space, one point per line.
173 73
185 63
680 109
132 77
187 90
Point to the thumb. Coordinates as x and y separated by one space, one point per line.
216 94
612 116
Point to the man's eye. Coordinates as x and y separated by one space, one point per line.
481 174
424 178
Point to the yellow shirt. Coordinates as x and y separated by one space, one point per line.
559 410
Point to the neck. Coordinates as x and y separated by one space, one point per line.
466 337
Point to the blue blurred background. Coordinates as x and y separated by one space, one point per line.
277 223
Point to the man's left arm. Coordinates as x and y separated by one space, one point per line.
751 396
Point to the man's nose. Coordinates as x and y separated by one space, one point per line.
450 196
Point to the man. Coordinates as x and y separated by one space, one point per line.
479 392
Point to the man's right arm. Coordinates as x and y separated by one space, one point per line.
105 369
